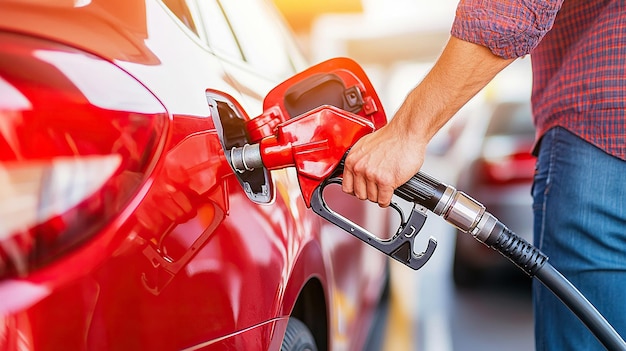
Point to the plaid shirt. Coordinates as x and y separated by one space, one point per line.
578 57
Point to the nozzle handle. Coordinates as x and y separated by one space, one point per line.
399 247
425 190
422 189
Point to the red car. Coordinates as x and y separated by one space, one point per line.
122 224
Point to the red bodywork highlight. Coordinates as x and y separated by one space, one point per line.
81 156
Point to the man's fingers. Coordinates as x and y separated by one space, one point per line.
372 191
384 196
347 184
360 187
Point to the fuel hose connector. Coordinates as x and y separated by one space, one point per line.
497 236
470 216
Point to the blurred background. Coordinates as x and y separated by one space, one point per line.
467 297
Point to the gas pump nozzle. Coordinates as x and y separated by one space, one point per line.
316 143
318 157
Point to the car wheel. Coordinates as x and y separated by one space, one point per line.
298 337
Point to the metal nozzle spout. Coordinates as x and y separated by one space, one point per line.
246 158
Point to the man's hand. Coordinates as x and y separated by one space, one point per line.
380 162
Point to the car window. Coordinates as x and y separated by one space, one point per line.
179 9
260 36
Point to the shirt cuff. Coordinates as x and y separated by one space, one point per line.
508 29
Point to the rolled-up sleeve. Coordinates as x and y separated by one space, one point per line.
509 28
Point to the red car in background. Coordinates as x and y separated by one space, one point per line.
122 224
500 176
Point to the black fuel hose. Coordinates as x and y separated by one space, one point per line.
532 261
471 217
577 303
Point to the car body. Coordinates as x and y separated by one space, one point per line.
122 224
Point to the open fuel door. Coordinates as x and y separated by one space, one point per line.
339 83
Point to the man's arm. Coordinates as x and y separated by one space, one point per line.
380 162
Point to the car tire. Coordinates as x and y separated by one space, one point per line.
298 337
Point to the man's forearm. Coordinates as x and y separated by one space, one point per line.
461 71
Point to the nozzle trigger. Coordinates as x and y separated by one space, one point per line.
399 247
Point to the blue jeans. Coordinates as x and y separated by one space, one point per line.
579 195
